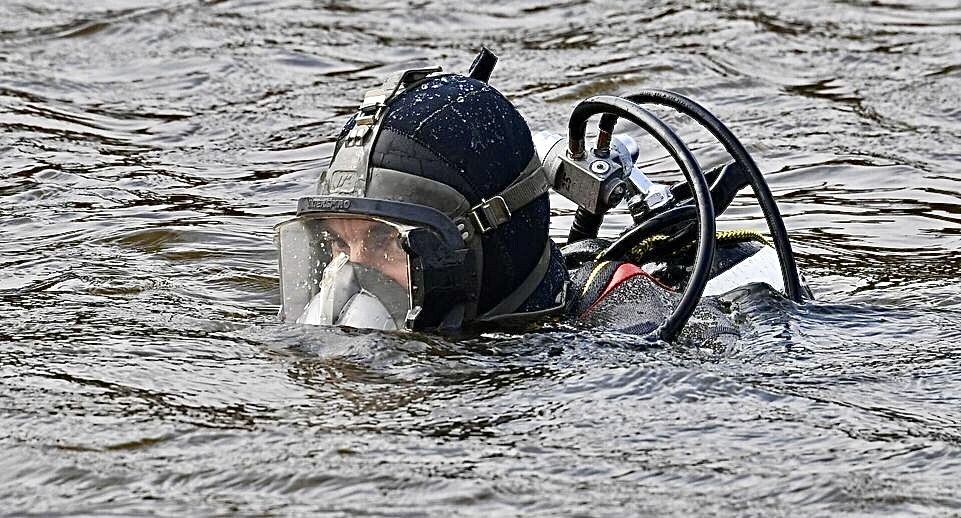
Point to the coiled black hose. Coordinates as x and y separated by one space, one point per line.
637 233
704 257
789 272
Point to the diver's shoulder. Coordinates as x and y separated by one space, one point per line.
742 257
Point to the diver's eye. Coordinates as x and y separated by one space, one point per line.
381 237
340 245
337 244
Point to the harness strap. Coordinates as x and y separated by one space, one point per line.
493 212
348 172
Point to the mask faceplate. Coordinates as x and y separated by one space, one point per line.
344 271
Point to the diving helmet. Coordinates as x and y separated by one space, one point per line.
433 212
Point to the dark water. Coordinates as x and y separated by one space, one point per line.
147 150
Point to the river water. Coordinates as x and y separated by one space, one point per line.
147 149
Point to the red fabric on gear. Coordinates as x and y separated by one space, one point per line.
623 273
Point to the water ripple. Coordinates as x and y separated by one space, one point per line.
148 149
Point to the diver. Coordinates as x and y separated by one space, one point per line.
434 214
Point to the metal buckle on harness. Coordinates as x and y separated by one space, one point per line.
376 100
371 108
368 115
495 213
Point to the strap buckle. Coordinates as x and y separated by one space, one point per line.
371 108
490 214
376 100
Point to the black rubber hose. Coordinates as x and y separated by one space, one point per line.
585 226
782 244
629 239
704 257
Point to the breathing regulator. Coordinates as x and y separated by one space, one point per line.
598 179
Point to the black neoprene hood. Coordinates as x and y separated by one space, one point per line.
457 142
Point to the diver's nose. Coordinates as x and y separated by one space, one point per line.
360 255
356 256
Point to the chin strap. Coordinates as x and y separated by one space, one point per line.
505 310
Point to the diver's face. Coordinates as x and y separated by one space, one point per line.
370 243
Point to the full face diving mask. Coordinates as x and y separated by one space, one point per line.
358 270
386 249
